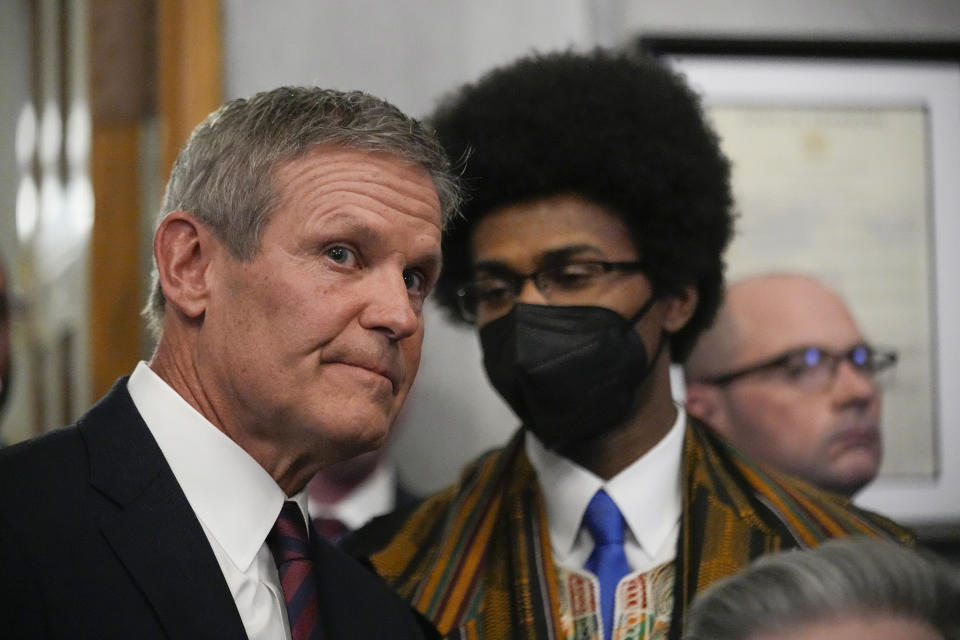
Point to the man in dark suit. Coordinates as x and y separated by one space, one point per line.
298 238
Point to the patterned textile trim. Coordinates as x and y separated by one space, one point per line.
644 603
647 604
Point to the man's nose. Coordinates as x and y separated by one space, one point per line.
389 308
853 383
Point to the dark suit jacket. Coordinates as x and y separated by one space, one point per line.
97 540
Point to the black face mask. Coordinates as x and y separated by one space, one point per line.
568 372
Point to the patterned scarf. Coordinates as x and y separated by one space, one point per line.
476 558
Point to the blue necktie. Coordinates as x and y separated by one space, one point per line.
607 561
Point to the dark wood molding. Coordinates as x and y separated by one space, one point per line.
798 47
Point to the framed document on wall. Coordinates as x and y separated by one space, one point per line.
846 166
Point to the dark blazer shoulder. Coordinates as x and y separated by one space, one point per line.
356 603
109 447
377 533
96 528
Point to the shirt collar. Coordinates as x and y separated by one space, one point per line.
375 496
232 495
648 492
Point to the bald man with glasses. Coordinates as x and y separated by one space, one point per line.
787 377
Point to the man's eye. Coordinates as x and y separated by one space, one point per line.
805 364
493 290
573 276
863 358
414 281
799 365
341 255
797 369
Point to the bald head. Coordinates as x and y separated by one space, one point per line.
828 436
763 315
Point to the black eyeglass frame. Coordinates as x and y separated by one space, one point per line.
882 359
516 280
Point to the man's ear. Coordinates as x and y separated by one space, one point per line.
679 308
182 247
703 402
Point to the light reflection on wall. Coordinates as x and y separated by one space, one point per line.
66 196
54 218
27 197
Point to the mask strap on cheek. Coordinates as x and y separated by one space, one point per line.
664 335
643 310
664 339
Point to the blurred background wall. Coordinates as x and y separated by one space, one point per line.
193 53
15 74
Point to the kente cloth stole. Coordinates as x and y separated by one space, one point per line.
735 510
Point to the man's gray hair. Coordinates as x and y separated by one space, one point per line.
224 174
841 578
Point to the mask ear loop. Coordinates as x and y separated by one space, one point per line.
660 343
643 310
663 334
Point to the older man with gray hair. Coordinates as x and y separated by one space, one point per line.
298 238
851 589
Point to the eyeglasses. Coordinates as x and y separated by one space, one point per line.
570 283
815 368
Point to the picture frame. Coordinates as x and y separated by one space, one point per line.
846 165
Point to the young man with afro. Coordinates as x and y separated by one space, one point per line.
589 256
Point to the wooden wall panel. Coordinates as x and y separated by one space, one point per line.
189 72
121 84
149 58
115 282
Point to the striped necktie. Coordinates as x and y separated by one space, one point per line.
291 551
607 561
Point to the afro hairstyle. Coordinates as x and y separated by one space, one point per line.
622 131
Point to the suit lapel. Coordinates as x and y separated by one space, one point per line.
153 531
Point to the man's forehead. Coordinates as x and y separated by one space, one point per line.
774 314
336 158
337 168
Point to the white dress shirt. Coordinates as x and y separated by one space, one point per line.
235 499
373 497
648 494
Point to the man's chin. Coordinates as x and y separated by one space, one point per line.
351 442
854 478
855 457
